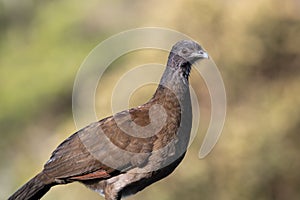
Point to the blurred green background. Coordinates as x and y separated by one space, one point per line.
256 45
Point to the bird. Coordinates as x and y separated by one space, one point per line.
122 154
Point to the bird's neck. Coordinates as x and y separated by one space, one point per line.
175 77
172 81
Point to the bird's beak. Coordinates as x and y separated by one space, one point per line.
200 54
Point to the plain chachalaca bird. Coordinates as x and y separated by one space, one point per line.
124 153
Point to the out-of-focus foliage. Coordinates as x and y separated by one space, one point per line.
256 45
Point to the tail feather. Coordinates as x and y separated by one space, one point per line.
34 189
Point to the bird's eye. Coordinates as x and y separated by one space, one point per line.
184 51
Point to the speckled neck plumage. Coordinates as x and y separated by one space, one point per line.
176 76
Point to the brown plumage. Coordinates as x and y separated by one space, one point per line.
124 153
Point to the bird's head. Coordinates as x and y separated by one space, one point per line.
189 51
183 54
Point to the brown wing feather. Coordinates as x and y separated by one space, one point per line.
94 175
71 158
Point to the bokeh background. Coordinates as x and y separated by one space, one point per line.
256 45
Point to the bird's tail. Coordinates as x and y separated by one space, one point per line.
34 189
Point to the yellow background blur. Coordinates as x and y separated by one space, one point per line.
256 45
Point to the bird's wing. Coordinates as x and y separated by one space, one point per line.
101 149
72 158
